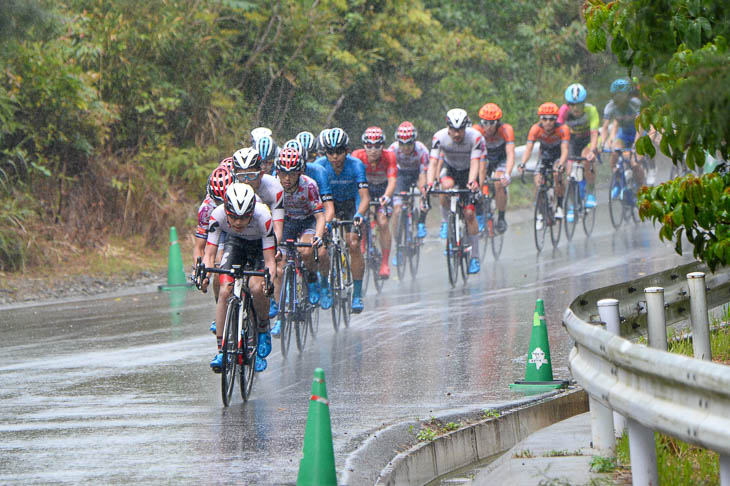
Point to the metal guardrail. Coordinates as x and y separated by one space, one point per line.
654 390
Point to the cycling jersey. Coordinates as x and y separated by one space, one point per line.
319 175
549 142
416 161
579 126
625 116
261 227
380 172
345 185
270 192
304 201
457 155
496 145
207 207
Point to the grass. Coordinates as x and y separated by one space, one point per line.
434 428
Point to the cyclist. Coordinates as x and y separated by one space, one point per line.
320 142
412 160
554 138
582 120
249 242
499 160
460 148
381 170
308 142
268 150
259 132
346 176
623 110
303 216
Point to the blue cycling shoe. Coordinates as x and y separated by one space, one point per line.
357 305
313 292
260 364
273 309
590 201
444 230
481 221
421 230
474 265
325 299
217 363
212 327
614 192
570 216
276 329
264 347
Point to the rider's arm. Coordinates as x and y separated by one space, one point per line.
198 249
564 133
392 173
329 210
509 138
270 262
364 200
528 152
278 229
319 224
604 132
474 171
432 170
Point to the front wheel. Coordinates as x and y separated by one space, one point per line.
556 225
229 348
286 309
335 287
402 243
346 279
414 246
540 219
452 255
571 209
589 218
464 250
615 203
249 348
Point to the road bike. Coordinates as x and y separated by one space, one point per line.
407 243
295 310
545 207
458 248
240 333
489 235
340 278
371 249
575 209
622 193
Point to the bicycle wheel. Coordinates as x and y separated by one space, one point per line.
249 345
335 287
314 321
571 206
367 254
229 348
589 217
402 238
375 268
286 309
414 246
301 310
346 279
540 220
631 201
615 203
452 256
464 250
556 225
486 234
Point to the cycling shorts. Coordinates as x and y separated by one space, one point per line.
345 210
460 177
376 191
247 253
295 228
627 137
576 146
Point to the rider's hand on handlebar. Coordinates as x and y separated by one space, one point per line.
505 180
204 284
384 200
357 219
316 242
521 168
473 186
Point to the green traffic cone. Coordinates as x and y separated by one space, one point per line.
175 273
539 370
317 467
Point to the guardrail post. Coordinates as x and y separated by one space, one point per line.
724 470
642 450
608 310
698 316
655 318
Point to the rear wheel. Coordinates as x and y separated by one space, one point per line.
229 349
540 220
249 345
452 255
571 209
615 204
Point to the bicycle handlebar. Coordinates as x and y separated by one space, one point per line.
236 271
298 244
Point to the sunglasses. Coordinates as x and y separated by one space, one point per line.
335 151
247 176
489 122
577 105
410 142
548 118
236 217
373 145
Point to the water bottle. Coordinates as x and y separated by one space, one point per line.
551 195
582 188
578 173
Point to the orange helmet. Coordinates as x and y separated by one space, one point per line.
490 111
548 109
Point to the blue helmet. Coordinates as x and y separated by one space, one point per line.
306 139
621 85
575 93
336 138
266 147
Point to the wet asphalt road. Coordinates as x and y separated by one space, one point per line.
118 390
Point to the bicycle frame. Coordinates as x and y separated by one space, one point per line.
294 312
457 251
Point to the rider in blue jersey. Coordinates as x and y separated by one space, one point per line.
349 186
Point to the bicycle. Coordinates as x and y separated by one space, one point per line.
407 244
340 277
623 190
240 333
371 250
489 235
575 198
458 252
545 206
295 310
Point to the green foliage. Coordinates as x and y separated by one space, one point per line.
601 464
427 434
491 413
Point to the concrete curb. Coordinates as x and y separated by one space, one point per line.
479 441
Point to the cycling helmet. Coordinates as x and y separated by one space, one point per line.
218 182
490 111
240 199
336 138
289 160
457 118
373 135
259 132
575 93
621 85
266 147
293 143
548 109
227 163
406 132
307 140
246 159
320 141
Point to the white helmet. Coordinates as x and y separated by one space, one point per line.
245 159
259 132
457 118
240 199
295 144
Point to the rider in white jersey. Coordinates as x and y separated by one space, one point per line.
459 148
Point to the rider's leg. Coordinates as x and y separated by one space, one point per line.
384 230
446 184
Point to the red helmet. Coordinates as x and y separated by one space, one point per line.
227 163
373 135
218 183
548 109
289 160
490 111
406 132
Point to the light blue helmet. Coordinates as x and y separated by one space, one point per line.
306 139
266 147
621 85
575 93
